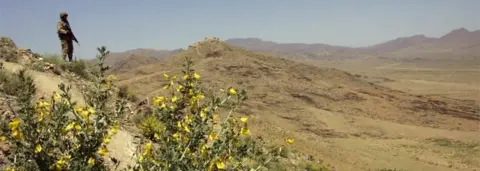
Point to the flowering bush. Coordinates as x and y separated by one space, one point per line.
185 131
58 133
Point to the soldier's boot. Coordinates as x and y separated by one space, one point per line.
70 57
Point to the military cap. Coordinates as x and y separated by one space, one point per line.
63 14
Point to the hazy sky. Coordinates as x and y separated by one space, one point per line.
127 24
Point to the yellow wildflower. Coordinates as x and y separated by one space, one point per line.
188 119
166 75
41 116
232 91
200 96
91 111
84 114
196 76
158 100
17 134
289 140
91 161
156 136
56 96
220 164
78 127
166 86
148 146
174 99
115 128
14 124
10 169
106 140
244 119
179 88
175 136
203 115
79 109
245 131
38 148
185 76
102 151
3 138
58 165
185 139
187 129
203 148
69 126
212 136
43 104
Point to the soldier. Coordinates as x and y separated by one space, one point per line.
66 36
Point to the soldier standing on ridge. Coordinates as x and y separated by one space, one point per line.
66 36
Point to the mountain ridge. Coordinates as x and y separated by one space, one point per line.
457 43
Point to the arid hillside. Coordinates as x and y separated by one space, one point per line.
323 108
139 56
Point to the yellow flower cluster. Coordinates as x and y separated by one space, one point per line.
85 113
42 109
59 164
14 127
102 151
112 132
244 130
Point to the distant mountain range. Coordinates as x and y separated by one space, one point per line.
459 43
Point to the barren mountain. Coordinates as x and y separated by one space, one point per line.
457 43
291 99
131 62
117 58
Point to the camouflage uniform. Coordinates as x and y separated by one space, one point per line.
65 35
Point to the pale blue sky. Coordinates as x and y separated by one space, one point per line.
126 24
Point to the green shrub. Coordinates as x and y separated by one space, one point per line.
59 134
192 135
78 67
126 93
9 82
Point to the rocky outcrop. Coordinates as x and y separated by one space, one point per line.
11 53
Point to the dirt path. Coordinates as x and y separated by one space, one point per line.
46 83
121 146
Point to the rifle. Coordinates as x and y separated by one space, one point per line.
74 38
71 33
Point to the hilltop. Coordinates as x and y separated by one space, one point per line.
325 109
139 56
